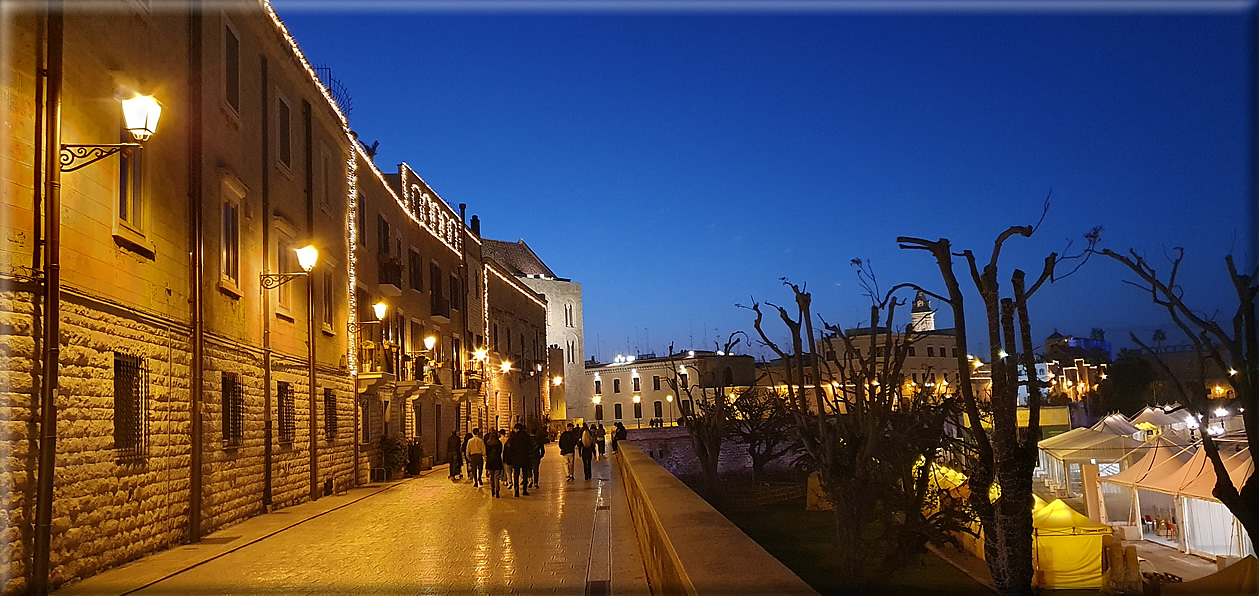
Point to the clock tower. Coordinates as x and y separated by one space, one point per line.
922 318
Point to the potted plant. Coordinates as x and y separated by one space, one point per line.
393 455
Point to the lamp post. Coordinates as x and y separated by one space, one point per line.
638 411
669 398
481 355
380 309
307 257
141 116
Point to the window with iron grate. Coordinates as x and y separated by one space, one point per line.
287 411
131 400
233 409
329 414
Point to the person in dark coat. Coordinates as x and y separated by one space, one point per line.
516 454
454 451
587 448
568 442
494 461
535 456
620 434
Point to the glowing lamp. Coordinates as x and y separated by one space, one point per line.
307 256
558 381
381 308
481 354
429 342
506 366
141 114
638 398
668 398
1232 372
597 399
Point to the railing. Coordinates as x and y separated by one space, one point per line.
390 273
440 306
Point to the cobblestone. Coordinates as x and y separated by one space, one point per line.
429 536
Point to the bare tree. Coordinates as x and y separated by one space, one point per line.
761 421
873 436
1231 347
707 422
1001 457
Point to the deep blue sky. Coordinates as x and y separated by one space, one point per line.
676 164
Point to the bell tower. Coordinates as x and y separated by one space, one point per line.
922 318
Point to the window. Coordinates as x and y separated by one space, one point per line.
231 68
638 410
572 351
616 385
495 339
229 240
329 299
616 411
382 235
416 270
598 411
131 404
659 409
598 387
455 296
435 279
686 407
365 407
417 413
283 262
130 183
931 352
286 410
729 378
284 132
329 414
911 350
637 385
655 382
233 409
684 381
955 352
330 172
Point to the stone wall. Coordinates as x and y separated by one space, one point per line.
18 397
671 448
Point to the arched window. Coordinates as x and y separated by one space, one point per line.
616 411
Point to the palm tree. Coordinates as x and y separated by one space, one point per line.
1160 336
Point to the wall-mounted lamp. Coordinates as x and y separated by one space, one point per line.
141 114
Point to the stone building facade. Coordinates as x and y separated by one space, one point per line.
633 391
516 366
186 396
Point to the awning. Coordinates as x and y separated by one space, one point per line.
1239 466
1157 452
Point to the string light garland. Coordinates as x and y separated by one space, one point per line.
351 181
513 283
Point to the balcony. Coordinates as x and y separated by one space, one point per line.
390 276
440 309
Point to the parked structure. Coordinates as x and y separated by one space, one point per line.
194 368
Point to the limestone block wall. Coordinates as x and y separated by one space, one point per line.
18 387
232 474
109 509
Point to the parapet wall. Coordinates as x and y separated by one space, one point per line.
687 546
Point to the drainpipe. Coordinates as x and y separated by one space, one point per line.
52 306
197 256
310 304
264 302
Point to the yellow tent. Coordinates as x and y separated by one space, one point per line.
1241 577
1067 548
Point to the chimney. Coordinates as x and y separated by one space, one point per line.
476 226
463 213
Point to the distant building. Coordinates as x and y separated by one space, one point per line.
1066 348
632 390
564 323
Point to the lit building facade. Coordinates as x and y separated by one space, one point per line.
634 390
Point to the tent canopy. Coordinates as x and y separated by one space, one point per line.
1157 417
1157 452
1059 519
1239 578
1092 445
1239 466
1171 475
1116 424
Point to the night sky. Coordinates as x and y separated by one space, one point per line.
678 163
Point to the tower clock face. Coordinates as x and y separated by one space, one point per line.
921 303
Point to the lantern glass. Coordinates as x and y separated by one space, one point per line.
429 342
307 256
506 367
380 308
141 114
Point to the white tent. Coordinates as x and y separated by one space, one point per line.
1061 459
1117 424
1119 491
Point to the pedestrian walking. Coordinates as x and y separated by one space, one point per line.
453 446
494 462
474 450
568 443
587 450
602 437
516 454
535 455
620 434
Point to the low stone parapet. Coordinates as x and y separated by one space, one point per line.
687 546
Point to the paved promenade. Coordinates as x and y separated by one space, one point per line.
423 535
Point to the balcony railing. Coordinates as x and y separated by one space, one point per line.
390 277
441 308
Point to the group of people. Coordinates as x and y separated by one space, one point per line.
586 441
506 458
515 458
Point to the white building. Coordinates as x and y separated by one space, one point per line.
634 390
564 329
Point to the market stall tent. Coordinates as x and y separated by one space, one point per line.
1066 548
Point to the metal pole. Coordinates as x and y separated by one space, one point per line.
310 316
197 389
52 307
264 301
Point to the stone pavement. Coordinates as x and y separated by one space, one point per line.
424 535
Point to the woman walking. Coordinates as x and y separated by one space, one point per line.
454 447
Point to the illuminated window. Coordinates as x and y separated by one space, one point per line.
229 240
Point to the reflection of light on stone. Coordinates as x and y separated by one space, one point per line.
508 558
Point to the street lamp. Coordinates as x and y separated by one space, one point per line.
638 411
669 398
141 115
307 257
